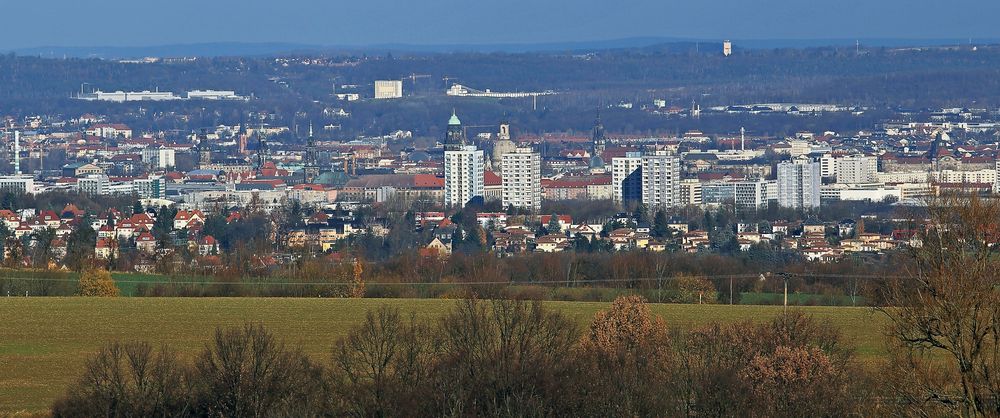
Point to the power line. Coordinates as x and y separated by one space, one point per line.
479 283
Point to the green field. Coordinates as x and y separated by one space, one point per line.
44 342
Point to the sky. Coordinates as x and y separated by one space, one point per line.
64 23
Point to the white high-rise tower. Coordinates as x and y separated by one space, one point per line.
798 184
464 167
522 179
661 176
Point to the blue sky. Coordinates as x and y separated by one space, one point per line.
31 23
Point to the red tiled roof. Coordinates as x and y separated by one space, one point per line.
491 179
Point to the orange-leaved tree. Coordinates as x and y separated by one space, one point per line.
97 283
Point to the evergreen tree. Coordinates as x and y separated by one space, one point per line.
660 229
553 226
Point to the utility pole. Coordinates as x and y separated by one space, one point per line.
730 290
784 276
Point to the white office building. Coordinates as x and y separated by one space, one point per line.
159 157
626 179
521 175
798 184
743 194
388 89
463 175
17 184
94 185
661 176
150 188
857 169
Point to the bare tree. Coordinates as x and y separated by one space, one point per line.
245 372
945 317
128 380
382 366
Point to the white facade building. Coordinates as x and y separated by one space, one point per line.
798 184
463 175
388 89
661 176
621 169
17 184
94 185
857 169
151 188
159 157
214 95
689 192
521 175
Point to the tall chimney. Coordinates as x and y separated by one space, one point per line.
17 153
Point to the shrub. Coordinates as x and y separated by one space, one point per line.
97 283
626 350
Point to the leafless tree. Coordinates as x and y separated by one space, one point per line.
945 317
128 380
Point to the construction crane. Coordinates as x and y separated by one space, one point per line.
447 80
414 76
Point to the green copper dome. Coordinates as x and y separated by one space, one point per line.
454 120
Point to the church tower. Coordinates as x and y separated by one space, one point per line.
598 143
456 135
204 150
310 169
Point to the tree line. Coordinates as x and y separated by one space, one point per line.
492 358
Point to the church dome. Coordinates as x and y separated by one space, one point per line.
501 147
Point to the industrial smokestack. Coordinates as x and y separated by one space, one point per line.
17 153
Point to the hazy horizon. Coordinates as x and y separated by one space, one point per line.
121 23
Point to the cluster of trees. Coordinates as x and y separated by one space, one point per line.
492 358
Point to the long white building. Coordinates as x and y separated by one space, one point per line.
661 176
521 174
17 184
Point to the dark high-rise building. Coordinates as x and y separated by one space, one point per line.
597 144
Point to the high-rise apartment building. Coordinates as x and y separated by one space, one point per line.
798 184
857 169
626 178
464 167
521 172
661 176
